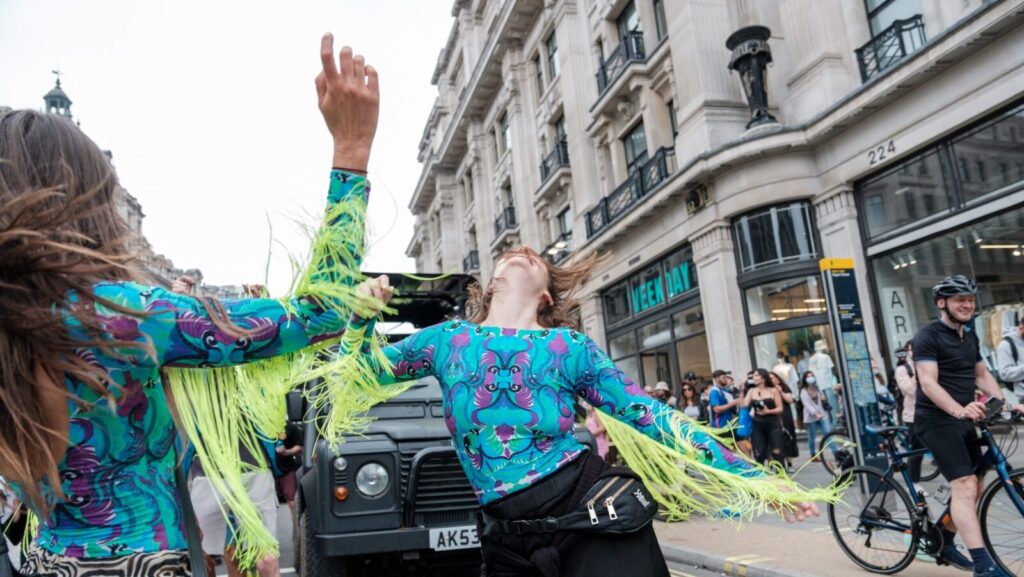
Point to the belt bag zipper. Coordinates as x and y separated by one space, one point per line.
590 504
608 502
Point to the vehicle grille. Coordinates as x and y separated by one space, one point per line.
443 494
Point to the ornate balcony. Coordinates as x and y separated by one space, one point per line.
557 251
901 39
630 50
471 262
506 221
627 195
558 158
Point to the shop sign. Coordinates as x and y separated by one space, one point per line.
650 293
896 308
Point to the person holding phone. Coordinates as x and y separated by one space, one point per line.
950 371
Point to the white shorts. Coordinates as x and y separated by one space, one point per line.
212 522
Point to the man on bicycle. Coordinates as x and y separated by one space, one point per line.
947 355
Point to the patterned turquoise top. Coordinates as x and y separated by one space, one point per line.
118 473
509 398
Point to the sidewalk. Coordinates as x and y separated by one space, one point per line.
770 547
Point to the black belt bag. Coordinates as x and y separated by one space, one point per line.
617 503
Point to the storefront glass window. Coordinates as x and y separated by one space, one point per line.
655 367
629 366
622 345
991 154
991 251
797 343
616 304
647 290
688 322
680 274
912 192
785 299
692 354
776 235
655 333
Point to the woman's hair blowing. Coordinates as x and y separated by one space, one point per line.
563 283
60 233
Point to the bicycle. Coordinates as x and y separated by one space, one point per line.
890 522
836 453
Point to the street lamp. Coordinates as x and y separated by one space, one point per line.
750 57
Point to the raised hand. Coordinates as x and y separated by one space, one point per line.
374 294
349 99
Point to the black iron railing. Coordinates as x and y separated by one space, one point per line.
630 50
505 221
471 262
899 40
558 158
557 251
626 196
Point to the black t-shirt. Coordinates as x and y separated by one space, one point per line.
957 360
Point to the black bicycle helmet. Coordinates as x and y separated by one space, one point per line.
953 286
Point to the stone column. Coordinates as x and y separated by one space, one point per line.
591 318
714 256
836 215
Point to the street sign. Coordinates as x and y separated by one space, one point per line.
860 400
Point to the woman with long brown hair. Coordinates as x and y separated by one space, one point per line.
86 432
510 377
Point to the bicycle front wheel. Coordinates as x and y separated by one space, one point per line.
875 523
836 452
1002 523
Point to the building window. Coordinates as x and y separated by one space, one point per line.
539 71
506 196
627 21
981 145
660 22
470 194
882 13
503 136
560 135
896 198
785 299
672 118
776 235
635 145
552 49
616 304
989 250
565 222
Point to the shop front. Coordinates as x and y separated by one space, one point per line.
784 301
956 207
654 322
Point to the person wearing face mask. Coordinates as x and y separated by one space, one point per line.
815 416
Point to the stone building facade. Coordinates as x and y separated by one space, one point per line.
617 126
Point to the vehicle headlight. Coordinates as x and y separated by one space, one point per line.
372 479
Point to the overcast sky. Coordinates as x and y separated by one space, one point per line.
210 112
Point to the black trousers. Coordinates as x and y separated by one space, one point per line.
767 439
566 553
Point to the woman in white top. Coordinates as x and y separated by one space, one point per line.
906 380
690 405
815 416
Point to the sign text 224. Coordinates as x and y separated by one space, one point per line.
881 153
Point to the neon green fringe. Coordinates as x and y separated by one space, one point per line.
683 482
220 406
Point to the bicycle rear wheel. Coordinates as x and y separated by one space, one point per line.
1002 524
875 523
836 451
929 467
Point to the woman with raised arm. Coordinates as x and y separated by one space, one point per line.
86 432
510 377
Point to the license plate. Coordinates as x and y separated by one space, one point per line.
451 538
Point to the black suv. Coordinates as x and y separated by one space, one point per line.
394 500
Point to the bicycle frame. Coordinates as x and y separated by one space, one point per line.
993 458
